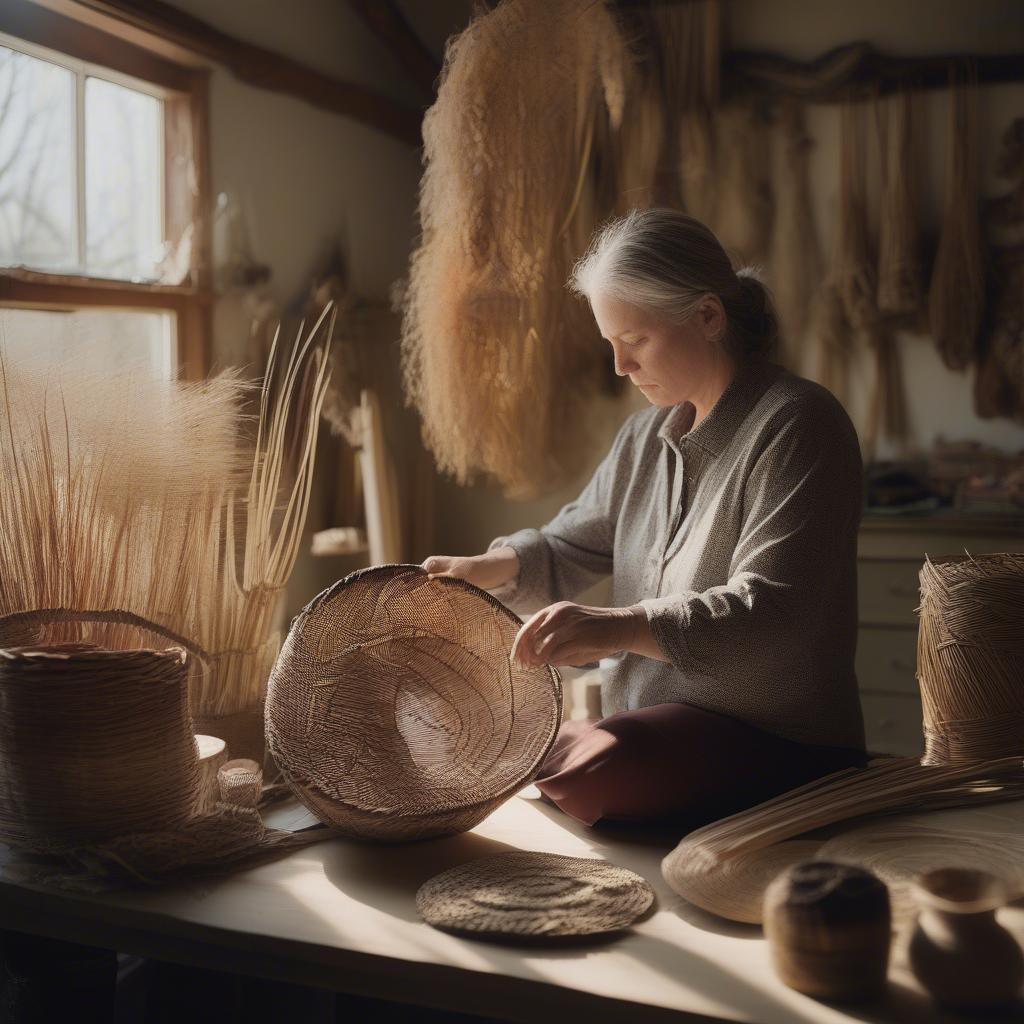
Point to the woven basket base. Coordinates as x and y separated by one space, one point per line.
529 896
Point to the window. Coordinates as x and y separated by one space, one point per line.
103 191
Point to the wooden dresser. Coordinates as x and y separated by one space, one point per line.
890 554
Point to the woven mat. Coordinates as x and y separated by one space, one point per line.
534 895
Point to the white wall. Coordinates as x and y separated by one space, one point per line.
940 402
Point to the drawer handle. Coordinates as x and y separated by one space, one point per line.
899 665
902 590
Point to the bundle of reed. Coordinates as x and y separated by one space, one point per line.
496 354
743 206
126 494
900 268
109 488
835 339
956 295
970 656
999 385
796 255
699 867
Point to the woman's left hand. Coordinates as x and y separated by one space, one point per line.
573 634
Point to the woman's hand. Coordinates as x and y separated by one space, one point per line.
489 571
573 634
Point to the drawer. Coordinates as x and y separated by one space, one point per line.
887 660
888 592
892 723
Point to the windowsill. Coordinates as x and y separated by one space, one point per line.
11 277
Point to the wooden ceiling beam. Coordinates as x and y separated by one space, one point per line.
266 69
386 21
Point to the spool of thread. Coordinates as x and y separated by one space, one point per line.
829 928
241 782
213 755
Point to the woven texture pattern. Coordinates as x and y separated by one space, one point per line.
535 895
970 658
395 712
78 761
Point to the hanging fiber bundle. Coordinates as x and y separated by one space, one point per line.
956 295
855 266
743 208
900 269
796 255
970 657
496 354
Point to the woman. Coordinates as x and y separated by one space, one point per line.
727 518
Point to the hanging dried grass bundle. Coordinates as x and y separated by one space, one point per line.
999 386
796 254
956 295
743 210
855 267
496 354
900 269
835 340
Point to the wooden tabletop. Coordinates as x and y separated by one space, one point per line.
341 915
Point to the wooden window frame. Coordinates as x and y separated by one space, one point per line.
186 192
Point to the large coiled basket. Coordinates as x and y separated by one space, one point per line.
395 712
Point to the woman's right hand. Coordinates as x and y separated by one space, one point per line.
489 571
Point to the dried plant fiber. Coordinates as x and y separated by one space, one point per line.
395 712
900 268
138 496
496 353
796 253
743 206
701 867
520 895
241 782
999 387
956 295
970 658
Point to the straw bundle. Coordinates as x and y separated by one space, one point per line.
139 497
900 269
701 864
490 338
970 656
796 256
999 386
855 268
956 295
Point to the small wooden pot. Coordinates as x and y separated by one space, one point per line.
958 951
829 927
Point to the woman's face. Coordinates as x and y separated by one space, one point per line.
668 362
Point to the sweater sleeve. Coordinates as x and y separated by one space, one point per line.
802 500
575 550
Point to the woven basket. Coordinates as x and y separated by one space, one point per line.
395 712
93 744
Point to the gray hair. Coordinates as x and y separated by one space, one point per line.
666 261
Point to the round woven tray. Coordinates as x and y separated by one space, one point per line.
395 712
534 895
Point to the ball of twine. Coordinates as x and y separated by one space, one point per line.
93 744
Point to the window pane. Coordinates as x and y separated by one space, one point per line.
123 158
110 339
37 183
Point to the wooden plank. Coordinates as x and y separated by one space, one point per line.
265 68
387 22
44 27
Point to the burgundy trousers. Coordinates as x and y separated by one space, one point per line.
675 763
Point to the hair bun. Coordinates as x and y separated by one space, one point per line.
756 312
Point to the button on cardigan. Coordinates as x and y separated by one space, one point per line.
739 539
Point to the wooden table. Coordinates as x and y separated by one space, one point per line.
341 915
